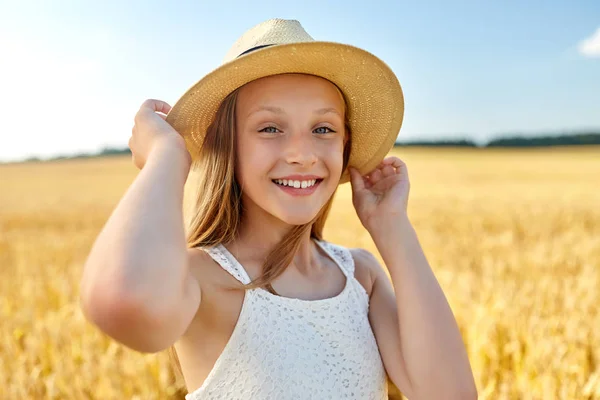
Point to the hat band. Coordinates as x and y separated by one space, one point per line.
254 48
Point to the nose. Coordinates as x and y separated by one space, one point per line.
299 149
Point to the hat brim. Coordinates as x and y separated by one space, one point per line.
373 94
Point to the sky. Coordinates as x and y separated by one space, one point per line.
74 73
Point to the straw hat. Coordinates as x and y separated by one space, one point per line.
372 92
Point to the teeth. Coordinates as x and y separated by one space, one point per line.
296 184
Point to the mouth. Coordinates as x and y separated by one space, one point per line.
298 187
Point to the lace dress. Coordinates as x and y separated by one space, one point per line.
288 348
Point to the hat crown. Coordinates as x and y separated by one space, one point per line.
270 32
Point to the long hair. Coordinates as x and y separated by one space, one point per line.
216 211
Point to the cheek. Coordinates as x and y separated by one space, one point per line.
333 155
252 162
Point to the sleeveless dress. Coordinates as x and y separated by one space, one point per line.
288 348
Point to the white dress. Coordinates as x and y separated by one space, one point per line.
287 348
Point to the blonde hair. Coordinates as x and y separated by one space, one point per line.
216 210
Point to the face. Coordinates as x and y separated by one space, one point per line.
290 142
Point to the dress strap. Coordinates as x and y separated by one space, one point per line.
225 259
229 263
339 254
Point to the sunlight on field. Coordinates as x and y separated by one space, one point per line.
512 235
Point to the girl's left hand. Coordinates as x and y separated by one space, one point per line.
382 193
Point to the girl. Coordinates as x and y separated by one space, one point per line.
255 302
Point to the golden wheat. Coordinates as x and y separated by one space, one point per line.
512 235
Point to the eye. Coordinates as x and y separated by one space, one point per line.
269 129
323 129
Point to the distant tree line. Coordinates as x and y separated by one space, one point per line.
586 138
107 151
579 139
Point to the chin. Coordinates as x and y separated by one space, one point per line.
295 210
296 218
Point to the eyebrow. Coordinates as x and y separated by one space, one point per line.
279 110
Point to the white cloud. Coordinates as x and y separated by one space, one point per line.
590 47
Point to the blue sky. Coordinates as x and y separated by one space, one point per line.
73 73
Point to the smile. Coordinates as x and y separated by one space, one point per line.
298 187
296 184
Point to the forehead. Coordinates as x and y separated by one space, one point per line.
290 87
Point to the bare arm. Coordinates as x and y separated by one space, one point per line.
417 334
415 328
136 285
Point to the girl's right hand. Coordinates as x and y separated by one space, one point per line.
151 130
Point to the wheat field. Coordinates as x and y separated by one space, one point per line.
513 236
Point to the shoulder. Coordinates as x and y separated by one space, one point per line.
368 265
362 260
363 257
221 292
365 267
199 259
207 271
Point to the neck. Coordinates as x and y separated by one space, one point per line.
260 232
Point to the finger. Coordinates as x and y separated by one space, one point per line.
156 105
386 184
398 164
375 176
367 181
393 161
151 106
388 170
356 179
